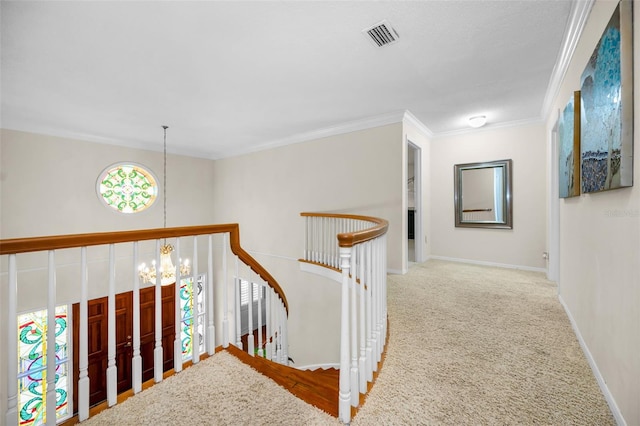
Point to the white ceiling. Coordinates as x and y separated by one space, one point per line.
237 76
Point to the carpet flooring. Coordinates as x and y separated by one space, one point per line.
468 345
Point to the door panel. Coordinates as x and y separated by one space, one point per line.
98 340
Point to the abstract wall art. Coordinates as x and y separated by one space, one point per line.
569 148
606 136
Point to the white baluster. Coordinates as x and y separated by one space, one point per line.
238 286
374 306
379 288
177 316
112 369
362 362
11 416
50 405
315 239
136 361
225 299
326 242
344 407
369 309
250 337
83 350
354 328
308 237
278 342
158 353
269 325
195 334
260 293
211 330
285 335
383 263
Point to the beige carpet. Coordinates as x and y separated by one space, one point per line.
468 345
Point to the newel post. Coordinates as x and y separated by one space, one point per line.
344 408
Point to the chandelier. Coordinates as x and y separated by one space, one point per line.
166 270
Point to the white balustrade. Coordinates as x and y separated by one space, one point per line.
363 322
271 309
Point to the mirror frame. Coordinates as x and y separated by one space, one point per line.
507 223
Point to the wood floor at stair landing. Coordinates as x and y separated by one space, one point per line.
318 388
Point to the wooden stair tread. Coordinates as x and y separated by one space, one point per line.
318 387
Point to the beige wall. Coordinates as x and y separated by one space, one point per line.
48 188
521 246
600 250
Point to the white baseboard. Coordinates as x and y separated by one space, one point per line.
594 368
481 262
319 366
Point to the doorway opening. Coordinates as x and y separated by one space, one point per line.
414 203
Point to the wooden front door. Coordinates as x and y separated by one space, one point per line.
148 328
98 340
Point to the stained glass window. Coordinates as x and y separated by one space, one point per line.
32 366
186 308
127 188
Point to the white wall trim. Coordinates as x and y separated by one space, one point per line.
277 256
397 271
481 262
322 271
410 118
577 20
594 368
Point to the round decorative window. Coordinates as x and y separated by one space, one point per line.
127 188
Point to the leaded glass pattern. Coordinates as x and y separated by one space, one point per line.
127 188
32 366
187 320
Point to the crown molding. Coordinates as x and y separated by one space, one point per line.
417 123
92 138
577 21
338 129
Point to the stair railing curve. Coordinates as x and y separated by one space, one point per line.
356 247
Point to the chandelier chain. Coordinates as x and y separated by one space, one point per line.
164 176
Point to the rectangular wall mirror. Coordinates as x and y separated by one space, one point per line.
482 195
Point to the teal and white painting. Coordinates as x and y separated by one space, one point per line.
606 136
569 148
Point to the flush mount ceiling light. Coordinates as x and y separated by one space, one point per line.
478 121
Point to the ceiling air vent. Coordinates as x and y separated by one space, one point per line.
382 34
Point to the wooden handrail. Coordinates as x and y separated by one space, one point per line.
349 239
57 242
